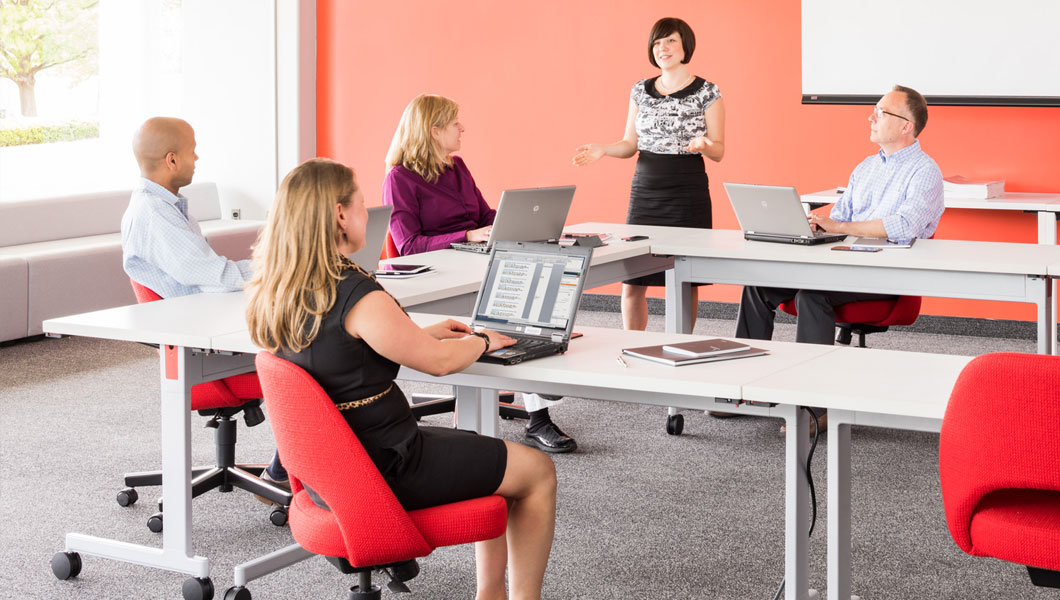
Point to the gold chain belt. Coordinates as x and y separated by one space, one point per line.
364 401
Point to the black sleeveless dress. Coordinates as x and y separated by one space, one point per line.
670 185
424 466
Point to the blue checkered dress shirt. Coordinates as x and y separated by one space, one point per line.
163 247
904 189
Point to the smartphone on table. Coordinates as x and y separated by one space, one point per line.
856 248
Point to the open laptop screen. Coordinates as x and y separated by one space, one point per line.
532 289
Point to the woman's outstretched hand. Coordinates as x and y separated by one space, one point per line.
699 144
587 154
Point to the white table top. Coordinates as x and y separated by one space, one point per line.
949 255
194 321
1036 202
591 363
190 321
890 382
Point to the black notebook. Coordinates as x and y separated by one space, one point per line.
659 354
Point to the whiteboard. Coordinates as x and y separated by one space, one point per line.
986 52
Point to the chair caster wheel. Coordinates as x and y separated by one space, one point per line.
154 522
66 565
127 497
237 593
675 424
197 588
278 516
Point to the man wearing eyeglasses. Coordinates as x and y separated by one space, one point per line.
895 193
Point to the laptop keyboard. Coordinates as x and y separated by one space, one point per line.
527 344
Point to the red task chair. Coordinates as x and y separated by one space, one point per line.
999 462
390 248
869 316
220 400
364 528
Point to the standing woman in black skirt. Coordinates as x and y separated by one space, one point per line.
675 119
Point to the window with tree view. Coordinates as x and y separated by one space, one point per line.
73 75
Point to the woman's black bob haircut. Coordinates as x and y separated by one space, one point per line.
666 26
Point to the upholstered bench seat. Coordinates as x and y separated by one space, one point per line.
62 256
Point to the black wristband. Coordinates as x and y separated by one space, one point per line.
485 338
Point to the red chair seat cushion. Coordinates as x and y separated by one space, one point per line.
227 392
902 311
462 522
317 530
1020 526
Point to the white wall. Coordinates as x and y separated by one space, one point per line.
229 98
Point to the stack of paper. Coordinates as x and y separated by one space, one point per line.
959 186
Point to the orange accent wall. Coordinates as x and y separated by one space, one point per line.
535 80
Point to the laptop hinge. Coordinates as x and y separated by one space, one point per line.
557 338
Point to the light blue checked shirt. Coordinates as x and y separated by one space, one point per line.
163 247
904 189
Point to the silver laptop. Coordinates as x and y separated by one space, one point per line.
770 213
374 238
530 215
531 293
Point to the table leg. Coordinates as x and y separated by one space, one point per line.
838 505
1041 288
1047 236
476 410
679 297
176 553
1047 228
796 505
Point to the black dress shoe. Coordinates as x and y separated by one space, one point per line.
549 438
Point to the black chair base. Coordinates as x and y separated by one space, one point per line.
1044 577
226 475
398 573
846 331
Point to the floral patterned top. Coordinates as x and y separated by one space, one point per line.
666 124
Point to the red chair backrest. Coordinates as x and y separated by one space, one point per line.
1001 431
144 293
319 448
390 247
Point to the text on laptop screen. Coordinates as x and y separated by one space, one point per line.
531 291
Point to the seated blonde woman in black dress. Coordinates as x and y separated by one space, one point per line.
314 307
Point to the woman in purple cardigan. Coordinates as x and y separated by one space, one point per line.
436 203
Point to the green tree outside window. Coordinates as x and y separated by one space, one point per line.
42 34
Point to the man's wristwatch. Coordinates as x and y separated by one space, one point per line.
485 338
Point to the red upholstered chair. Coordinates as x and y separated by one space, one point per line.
221 400
364 528
999 462
390 248
870 316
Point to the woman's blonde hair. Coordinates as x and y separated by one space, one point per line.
297 264
412 146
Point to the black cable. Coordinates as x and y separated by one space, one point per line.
809 481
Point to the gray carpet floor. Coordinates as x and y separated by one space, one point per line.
641 514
